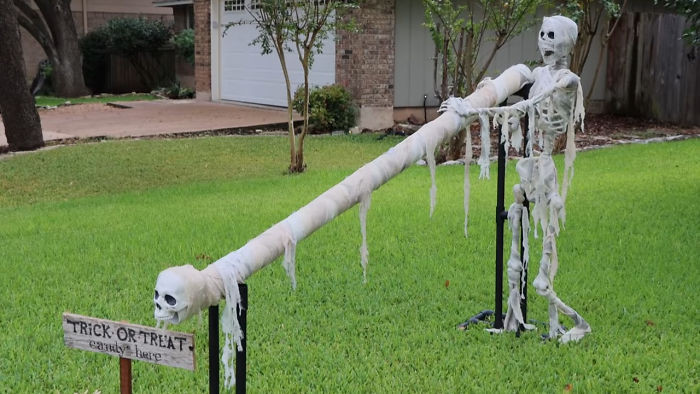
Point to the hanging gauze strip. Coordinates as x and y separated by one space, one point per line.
468 154
484 158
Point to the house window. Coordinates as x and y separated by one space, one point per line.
255 4
234 5
189 17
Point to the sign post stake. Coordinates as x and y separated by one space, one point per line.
124 375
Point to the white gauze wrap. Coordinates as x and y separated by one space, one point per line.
484 158
237 266
577 115
468 154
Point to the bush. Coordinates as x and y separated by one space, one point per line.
175 91
94 49
127 37
184 45
130 36
330 108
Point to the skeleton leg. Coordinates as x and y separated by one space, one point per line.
514 315
544 286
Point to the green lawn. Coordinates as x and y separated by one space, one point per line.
87 229
44 101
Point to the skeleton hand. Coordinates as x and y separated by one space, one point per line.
458 105
568 81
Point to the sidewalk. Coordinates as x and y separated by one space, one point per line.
148 118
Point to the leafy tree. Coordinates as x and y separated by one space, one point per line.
691 10
51 24
460 32
588 15
312 22
304 25
22 125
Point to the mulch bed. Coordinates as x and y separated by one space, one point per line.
599 130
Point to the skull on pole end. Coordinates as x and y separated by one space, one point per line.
173 298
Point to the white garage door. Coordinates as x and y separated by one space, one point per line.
248 76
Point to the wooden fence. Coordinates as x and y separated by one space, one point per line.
651 72
122 77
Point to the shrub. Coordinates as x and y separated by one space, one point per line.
184 45
130 36
330 108
127 37
175 91
94 49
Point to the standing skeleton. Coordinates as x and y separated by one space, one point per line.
555 115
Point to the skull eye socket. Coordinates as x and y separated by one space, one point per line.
156 294
170 299
550 34
542 34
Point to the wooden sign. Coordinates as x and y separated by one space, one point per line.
130 341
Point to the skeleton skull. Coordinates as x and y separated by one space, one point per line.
170 297
184 291
556 39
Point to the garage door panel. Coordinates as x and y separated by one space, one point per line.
246 75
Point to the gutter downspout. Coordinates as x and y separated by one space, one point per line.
85 18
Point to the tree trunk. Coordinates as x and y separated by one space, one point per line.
290 111
67 76
22 125
298 163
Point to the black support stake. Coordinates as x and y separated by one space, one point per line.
501 216
526 207
241 355
214 349
214 344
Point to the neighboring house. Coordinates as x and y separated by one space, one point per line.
387 66
88 15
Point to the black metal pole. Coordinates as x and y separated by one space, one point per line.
501 216
241 354
523 274
214 349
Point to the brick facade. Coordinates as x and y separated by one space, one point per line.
202 49
365 61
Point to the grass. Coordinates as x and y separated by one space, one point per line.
87 228
50 101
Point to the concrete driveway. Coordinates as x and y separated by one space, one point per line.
148 118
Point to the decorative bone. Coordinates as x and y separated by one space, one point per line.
282 238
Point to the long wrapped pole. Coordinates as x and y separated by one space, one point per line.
271 244
199 290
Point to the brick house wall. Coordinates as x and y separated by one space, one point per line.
365 62
202 49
